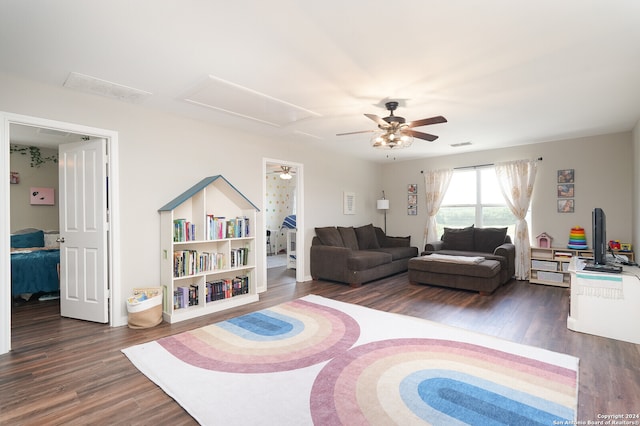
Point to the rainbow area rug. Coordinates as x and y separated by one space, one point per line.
318 361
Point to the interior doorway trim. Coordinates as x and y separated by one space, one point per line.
6 120
300 237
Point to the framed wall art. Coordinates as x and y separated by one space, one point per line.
566 176
42 196
566 206
566 190
349 203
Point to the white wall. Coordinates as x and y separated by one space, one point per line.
23 214
161 155
636 184
603 178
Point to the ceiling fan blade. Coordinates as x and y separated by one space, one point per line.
383 124
420 135
355 133
426 121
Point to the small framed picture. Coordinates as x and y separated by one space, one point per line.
566 206
412 188
412 199
412 210
348 202
566 190
566 176
42 196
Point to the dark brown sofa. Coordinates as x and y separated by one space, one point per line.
492 244
358 255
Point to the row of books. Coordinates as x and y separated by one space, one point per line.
220 289
239 257
185 296
217 228
183 230
221 227
227 287
191 262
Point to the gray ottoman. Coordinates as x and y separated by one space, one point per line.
483 277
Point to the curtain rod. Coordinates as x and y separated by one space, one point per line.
478 165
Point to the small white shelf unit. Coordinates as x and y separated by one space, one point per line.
550 266
212 280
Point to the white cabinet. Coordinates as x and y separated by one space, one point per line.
605 304
208 250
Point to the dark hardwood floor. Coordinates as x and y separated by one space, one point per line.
64 371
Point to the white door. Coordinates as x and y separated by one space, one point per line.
83 231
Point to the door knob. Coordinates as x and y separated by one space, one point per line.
60 240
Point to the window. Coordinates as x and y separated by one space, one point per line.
474 198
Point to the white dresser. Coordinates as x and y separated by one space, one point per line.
603 304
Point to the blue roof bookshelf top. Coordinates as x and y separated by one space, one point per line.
221 183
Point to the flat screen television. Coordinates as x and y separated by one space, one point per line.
599 224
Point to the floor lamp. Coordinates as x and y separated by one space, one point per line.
383 205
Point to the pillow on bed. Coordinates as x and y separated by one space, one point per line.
51 239
32 239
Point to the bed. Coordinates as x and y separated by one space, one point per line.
34 263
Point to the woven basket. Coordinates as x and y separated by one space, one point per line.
147 313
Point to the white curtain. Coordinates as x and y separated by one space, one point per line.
516 183
436 183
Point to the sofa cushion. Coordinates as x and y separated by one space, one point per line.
486 269
380 236
348 235
399 252
329 236
487 240
458 239
367 237
366 259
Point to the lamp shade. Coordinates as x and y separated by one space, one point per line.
383 204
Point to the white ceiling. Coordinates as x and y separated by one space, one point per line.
502 72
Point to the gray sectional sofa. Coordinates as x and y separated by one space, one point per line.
356 255
493 245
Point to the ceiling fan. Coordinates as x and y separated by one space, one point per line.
395 132
284 172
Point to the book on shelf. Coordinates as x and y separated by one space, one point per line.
183 230
239 257
181 297
564 254
191 262
219 227
216 227
225 288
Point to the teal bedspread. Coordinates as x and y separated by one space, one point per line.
35 272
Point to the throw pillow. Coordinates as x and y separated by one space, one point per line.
329 236
367 237
458 239
381 237
32 239
487 239
349 237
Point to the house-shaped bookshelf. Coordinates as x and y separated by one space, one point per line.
208 250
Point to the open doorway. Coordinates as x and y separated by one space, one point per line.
283 216
50 135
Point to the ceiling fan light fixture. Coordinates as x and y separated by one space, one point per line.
286 174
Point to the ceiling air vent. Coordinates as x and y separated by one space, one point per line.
96 86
